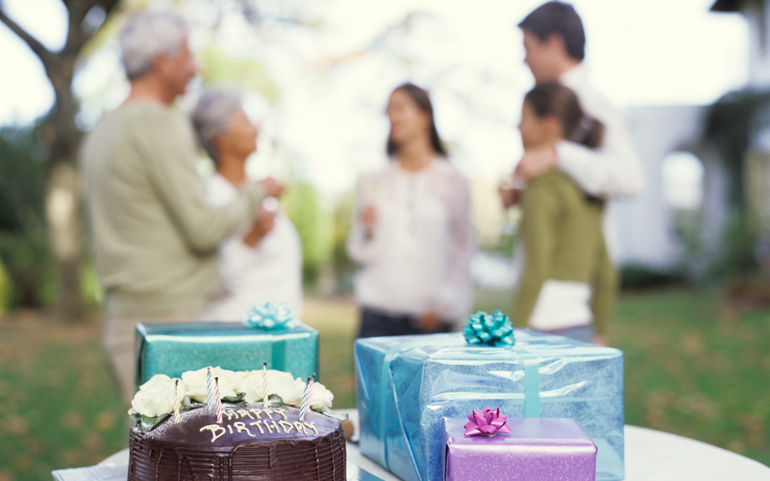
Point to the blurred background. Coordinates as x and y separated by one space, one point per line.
692 76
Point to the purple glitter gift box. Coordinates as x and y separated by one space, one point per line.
536 449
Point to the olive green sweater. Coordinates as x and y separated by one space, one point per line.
563 241
155 237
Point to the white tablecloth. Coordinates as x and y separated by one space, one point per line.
650 456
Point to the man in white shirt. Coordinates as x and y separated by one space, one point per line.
554 41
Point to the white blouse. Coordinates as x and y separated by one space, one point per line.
269 271
417 258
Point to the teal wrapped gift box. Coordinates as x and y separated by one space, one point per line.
172 349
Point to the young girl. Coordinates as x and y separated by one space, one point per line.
568 283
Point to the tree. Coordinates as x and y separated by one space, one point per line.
62 196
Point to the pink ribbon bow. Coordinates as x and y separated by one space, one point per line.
487 423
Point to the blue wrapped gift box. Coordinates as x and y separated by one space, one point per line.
406 384
172 349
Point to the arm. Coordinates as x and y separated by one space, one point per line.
169 150
453 300
538 233
363 242
611 171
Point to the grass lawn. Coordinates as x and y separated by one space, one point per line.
687 372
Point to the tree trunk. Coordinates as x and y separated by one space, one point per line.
63 186
64 194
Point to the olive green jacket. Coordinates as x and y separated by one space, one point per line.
563 241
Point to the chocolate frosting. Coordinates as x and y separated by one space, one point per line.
250 443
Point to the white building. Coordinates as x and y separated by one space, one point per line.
666 135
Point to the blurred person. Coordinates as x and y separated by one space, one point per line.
412 233
155 236
264 262
554 41
567 286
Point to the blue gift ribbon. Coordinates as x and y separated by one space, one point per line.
531 388
270 316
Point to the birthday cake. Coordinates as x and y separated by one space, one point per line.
212 427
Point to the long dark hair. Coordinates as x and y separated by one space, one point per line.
422 99
551 98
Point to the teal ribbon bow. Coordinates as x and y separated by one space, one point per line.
270 316
493 330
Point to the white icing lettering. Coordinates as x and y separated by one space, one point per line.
300 427
230 428
244 414
312 426
214 428
239 426
258 424
269 429
257 412
275 426
230 414
268 413
287 427
280 411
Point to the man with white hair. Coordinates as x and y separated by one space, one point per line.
155 236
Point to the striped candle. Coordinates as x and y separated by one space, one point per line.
218 400
306 397
176 401
209 391
264 384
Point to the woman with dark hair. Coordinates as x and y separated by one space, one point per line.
412 233
568 283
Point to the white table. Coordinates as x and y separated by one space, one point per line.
650 456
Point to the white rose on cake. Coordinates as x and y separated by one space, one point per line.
252 383
321 399
196 383
156 396
289 390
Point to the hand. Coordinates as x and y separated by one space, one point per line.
509 196
369 216
271 187
536 162
429 322
600 340
263 224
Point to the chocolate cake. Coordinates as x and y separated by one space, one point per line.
251 443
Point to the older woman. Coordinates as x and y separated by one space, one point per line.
263 263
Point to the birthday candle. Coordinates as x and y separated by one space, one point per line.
218 400
209 391
264 383
306 397
176 401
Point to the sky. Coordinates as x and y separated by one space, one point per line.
329 125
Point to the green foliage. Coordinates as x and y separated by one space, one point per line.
640 276
737 257
344 267
730 125
302 203
5 289
24 248
216 68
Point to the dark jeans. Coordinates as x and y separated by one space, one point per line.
377 324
